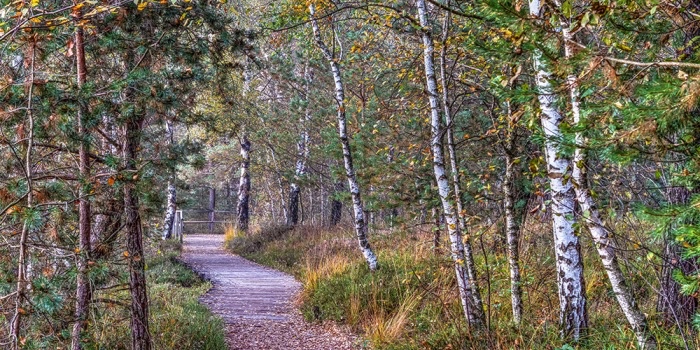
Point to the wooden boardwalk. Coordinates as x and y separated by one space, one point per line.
256 302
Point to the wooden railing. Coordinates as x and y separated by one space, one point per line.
211 223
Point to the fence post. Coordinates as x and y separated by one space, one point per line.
178 225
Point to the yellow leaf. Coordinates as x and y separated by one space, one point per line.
126 253
34 3
142 6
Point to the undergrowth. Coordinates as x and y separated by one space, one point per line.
177 319
411 302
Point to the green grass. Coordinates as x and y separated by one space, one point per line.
177 320
412 302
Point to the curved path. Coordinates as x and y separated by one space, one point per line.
256 302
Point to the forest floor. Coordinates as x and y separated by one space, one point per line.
257 303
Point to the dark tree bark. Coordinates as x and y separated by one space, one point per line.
293 211
675 307
336 205
140 335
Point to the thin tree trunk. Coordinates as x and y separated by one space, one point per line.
601 236
573 317
471 302
358 208
83 291
454 169
108 223
171 204
140 335
242 210
22 282
512 228
302 153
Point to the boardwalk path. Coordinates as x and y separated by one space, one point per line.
256 302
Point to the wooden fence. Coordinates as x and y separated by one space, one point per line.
201 221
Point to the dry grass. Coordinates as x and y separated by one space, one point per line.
383 329
412 301
321 267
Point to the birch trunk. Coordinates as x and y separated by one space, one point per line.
591 216
469 295
302 154
573 318
140 335
242 210
83 291
454 169
358 208
512 228
171 204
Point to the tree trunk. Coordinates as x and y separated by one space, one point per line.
302 152
454 169
140 336
336 204
601 236
22 280
358 208
573 317
471 302
675 307
83 290
171 204
512 227
242 210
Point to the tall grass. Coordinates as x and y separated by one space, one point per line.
412 301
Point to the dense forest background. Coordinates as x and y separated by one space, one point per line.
438 173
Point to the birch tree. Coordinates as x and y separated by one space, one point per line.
171 202
243 206
302 150
512 227
469 294
602 239
573 317
358 207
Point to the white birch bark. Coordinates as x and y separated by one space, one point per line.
512 228
171 204
358 208
454 169
302 152
591 216
573 318
471 304
242 209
